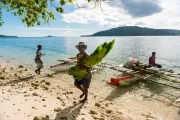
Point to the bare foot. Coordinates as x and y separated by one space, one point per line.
81 95
83 101
36 71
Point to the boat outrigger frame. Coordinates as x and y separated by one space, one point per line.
158 78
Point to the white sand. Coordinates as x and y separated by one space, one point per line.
17 101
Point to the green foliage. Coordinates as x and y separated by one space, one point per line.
62 2
71 1
1 21
100 52
60 9
34 12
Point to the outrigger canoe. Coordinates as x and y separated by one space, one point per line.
70 62
61 67
64 65
131 76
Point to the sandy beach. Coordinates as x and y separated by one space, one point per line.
27 96
131 47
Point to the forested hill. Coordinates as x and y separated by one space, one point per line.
136 31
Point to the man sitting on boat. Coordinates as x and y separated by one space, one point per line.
152 61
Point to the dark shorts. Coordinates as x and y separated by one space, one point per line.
85 82
156 65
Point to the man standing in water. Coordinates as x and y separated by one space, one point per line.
38 60
152 61
84 83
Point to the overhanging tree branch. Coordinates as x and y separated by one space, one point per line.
36 12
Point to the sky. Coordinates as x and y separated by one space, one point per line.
160 14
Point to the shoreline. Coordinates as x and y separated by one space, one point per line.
26 95
131 103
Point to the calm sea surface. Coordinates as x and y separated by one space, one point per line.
23 49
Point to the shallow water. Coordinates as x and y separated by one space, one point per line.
23 49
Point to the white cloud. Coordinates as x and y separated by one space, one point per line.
141 8
117 15
91 15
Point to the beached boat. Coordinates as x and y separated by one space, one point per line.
61 67
64 65
70 62
161 76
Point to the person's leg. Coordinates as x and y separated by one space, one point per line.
39 70
39 66
36 71
86 94
86 84
158 65
78 85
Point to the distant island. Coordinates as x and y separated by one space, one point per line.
135 31
49 36
7 36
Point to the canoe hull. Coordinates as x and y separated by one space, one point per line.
123 81
60 68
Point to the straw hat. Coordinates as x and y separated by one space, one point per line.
81 44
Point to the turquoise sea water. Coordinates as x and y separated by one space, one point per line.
22 49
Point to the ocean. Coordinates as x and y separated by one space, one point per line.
23 49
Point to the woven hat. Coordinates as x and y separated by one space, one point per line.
81 44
